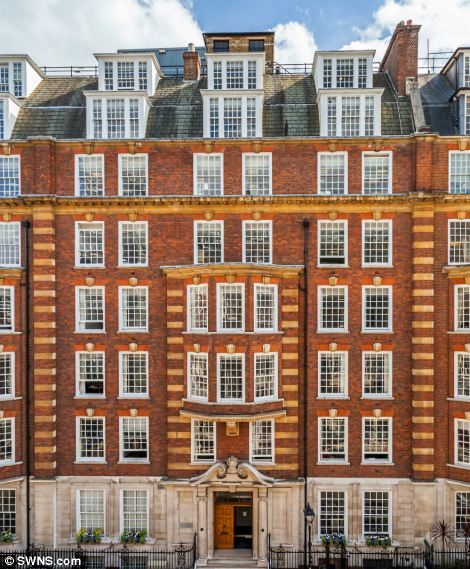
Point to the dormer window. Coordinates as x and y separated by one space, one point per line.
350 113
9 109
11 78
235 73
466 71
128 72
343 70
116 117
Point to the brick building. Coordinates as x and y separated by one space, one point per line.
169 362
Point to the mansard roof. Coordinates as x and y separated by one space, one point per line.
57 108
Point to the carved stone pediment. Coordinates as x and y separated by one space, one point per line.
232 471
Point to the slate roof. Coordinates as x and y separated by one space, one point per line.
57 108
439 112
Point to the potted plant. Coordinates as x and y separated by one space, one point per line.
133 536
6 536
88 535
382 541
334 539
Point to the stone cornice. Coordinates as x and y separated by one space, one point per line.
232 418
10 273
232 269
457 272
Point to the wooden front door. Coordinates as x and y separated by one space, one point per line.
224 526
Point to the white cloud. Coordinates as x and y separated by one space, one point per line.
294 43
68 32
444 23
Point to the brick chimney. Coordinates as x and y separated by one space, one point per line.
192 64
401 58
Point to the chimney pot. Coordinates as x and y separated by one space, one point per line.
192 48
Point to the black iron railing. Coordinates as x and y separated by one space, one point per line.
183 556
283 557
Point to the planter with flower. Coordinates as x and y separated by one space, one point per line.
382 541
88 535
133 537
6 536
334 539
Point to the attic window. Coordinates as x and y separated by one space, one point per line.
466 71
221 46
255 45
125 75
11 78
2 119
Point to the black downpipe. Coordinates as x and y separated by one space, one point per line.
306 226
27 444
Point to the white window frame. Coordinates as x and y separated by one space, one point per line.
78 509
345 375
12 357
388 222
389 515
16 224
389 328
205 356
370 461
220 329
121 309
78 226
340 489
255 461
122 393
79 459
12 460
456 493
121 507
103 98
198 461
346 172
457 355
321 460
16 157
326 222
121 260
456 427
12 298
455 153
275 397
122 459
219 397
188 307
77 376
77 311
387 395
456 319
195 240
449 223
257 95
340 94
77 170
270 225
270 161
120 184
255 311
343 330
388 154
196 157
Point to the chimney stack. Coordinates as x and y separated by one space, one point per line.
192 64
401 58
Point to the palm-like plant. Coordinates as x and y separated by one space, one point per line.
442 532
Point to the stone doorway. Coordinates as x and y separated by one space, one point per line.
233 521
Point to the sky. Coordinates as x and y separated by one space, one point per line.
68 32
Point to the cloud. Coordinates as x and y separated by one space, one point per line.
294 43
444 23
68 32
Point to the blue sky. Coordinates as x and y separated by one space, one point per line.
331 22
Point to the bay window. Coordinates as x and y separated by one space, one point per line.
231 378
230 307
